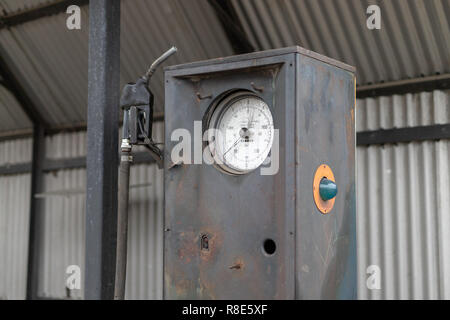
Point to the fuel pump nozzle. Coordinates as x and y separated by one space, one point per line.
137 105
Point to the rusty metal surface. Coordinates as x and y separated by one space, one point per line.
264 54
326 244
216 224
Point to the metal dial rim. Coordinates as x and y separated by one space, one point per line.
219 109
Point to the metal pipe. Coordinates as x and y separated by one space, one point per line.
158 61
36 211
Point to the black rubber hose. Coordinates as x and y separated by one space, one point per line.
122 212
122 225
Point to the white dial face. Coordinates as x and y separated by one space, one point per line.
246 134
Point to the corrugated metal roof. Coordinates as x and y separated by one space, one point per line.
12 116
18 5
54 60
414 40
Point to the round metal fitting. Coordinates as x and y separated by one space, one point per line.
323 203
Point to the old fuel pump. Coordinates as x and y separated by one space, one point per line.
259 215
234 230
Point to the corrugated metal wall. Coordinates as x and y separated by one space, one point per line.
62 240
14 220
402 211
403 207
64 223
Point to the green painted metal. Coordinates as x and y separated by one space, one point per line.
327 189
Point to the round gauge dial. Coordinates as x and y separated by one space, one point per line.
244 127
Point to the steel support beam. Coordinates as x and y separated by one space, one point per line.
42 10
36 209
232 26
102 140
384 136
13 169
53 165
437 82
77 127
365 138
403 135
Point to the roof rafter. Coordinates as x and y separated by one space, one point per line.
43 10
232 26
19 88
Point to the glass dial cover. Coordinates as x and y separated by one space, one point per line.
244 132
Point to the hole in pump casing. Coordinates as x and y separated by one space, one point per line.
204 242
269 247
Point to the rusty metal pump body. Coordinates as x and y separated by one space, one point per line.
255 236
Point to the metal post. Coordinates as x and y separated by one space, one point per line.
102 161
37 175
